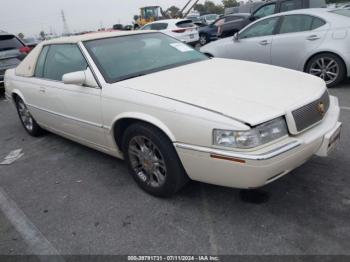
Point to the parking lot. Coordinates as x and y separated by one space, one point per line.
63 197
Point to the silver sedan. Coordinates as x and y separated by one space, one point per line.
316 41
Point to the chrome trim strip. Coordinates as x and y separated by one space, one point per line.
68 117
268 155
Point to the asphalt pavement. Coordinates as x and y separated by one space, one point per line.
74 200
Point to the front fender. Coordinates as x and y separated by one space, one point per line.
146 118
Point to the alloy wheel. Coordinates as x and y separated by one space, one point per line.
25 116
147 161
325 67
202 39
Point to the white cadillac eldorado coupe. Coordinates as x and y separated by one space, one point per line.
172 113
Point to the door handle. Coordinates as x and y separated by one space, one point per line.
42 89
264 42
313 37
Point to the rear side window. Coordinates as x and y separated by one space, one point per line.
159 26
291 5
8 42
39 69
316 23
300 23
185 24
63 59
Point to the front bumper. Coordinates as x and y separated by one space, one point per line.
261 167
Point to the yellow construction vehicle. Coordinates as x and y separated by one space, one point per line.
149 14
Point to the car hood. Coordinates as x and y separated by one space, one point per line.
249 92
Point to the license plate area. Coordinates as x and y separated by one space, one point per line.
334 139
330 141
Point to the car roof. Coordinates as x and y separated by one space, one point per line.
239 14
324 13
27 67
91 36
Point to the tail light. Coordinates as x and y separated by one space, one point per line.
25 49
179 31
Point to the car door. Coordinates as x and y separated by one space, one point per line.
297 36
73 110
254 42
232 25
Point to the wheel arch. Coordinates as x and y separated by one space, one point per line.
326 52
15 94
123 121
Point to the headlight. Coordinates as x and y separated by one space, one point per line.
254 137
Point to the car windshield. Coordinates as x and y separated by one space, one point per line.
125 57
344 12
8 42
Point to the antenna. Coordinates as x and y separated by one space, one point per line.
65 25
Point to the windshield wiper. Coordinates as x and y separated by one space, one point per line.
132 76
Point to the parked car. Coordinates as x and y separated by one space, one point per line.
182 29
231 24
208 33
118 27
128 27
194 18
261 9
248 7
315 41
209 18
12 51
154 101
31 42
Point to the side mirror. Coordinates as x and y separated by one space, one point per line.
80 78
236 37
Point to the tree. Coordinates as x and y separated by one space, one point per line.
209 7
229 3
21 35
173 11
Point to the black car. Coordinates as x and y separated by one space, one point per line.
240 20
12 52
208 33
231 24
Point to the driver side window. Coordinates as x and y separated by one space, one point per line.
262 28
265 11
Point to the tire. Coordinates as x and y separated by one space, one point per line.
153 161
203 39
328 66
27 120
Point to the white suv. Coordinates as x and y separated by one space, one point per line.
182 29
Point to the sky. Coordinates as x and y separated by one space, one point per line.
31 17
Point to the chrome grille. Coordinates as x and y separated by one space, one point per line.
311 114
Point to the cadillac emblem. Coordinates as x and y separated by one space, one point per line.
321 108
